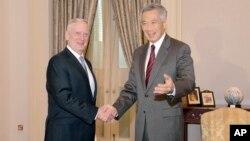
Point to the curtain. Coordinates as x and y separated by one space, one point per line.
63 11
127 14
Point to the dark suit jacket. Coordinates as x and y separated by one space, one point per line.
71 110
162 114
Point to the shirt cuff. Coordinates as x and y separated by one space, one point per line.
172 93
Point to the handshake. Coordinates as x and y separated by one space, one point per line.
106 113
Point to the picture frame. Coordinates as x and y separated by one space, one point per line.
193 98
207 98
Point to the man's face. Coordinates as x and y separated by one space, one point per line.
152 25
77 36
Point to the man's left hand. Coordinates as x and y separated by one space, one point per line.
166 87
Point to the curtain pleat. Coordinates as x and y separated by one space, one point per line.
63 11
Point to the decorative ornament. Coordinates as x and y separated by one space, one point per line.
233 97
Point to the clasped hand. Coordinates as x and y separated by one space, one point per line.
106 113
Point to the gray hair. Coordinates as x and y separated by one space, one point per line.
75 20
152 6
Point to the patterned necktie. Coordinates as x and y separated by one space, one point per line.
150 63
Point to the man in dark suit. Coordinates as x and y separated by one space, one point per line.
71 87
161 73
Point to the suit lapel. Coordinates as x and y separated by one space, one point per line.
75 62
90 67
142 64
160 58
80 68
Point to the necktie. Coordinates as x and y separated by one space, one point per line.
150 63
83 63
89 74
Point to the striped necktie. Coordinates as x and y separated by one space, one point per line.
150 63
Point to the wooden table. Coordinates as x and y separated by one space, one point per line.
192 115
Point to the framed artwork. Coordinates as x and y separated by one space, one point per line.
193 98
207 98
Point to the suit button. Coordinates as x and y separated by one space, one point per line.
144 112
146 95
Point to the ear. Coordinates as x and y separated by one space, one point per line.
165 25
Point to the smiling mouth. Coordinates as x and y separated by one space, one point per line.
151 34
81 43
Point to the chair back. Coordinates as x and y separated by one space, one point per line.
215 124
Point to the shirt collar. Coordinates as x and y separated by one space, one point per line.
74 53
159 42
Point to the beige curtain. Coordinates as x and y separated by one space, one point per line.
127 14
63 11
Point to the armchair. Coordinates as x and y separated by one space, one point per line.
215 124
